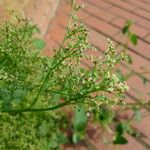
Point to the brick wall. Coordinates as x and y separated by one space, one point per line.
39 11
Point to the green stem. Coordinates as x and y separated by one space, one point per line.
37 109
48 74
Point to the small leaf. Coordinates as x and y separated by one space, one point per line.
122 128
126 27
80 119
75 138
145 81
119 139
137 114
39 43
105 115
43 129
101 97
62 139
133 39
18 94
120 75
56 97
130 61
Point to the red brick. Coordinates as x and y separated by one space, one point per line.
30 9
50 46
122 4
56 33
101 26
132 144
142 13
63 7
147 38
135 28
101 14
138 62
142 48
146 1
4 15
99 40
144 127
62 19
100 4
140 4
137 88
127 15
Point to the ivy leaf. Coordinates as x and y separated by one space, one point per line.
39 43
119 139
80 119
133 39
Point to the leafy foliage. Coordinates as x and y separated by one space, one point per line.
33 86
126 30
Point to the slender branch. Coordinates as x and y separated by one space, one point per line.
37 109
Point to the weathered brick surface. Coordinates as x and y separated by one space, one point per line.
129 15
147 38
101 14
141 4
100 4
142 13
122 4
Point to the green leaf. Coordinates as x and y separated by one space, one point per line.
5 95
126 27
43 129
39 43
130 61
80 119
137 114
120 75
56 97
122 128
145 81
76 138
101 97
133 39
62 139
18 94
119 139
105 115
